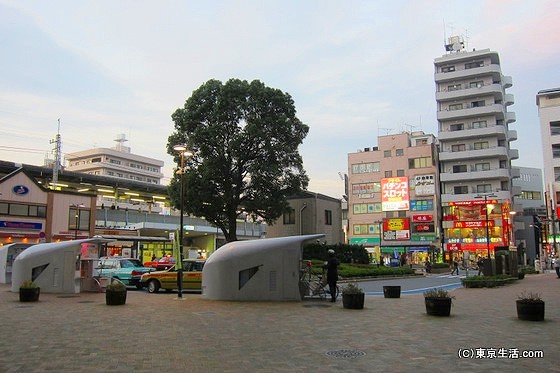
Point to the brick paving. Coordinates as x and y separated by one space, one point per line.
157 332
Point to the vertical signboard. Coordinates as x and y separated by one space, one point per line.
394 194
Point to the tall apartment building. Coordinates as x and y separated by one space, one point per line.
392 206
474 150
548 103
116 162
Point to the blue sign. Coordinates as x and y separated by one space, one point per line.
421 205
20 190
20 225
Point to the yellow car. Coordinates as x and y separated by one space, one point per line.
192 277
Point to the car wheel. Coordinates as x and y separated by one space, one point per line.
139 286
153 286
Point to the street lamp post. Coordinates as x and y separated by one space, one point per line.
485 196
182 149
76 206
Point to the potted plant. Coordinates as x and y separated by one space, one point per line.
530 307
438 302
352 296
392 291
115 293
29 291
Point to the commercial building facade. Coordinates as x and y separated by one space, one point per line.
474 151
392 196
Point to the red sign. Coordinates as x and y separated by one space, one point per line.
394 194
473 224
453 246
472 203
422 218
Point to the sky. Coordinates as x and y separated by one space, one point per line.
356 70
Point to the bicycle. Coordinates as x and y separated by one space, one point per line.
312 284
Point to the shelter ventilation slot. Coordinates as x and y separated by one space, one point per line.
246 274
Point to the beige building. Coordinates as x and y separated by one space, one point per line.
310 213
392 201
116 162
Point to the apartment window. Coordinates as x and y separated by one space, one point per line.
484 188
421 162
555 128
421 142
479 124
457 127
531 195
477 84
475 64
110 173
399 152
328 217
455 107
289 217
447 69
479 103
401 214
459 168
555 150
458 148
481 145
387 153
115 161
482 167
463 189
400 172
388 173
556 173
454 87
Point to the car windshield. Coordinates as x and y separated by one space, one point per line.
130 263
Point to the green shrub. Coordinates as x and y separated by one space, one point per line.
440 265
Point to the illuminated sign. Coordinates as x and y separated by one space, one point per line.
420 218
424 185
394 194
473 224
396 229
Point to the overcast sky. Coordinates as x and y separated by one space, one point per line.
355 69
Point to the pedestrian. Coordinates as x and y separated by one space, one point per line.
428 266
557 265
332 273
455 266
480 264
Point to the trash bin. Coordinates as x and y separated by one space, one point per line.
392 291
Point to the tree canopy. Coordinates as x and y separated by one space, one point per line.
244 137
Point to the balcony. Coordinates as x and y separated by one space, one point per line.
508 99
496 130
515 173
513 154
512 135
471 153
459 74
484 90
499 173
477 111
507 82
510 117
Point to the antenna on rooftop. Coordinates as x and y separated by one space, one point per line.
386 130
57 152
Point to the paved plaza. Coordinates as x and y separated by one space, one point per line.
157 333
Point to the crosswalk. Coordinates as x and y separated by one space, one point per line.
452 276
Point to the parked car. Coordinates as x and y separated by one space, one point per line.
162 263
127 270
167 279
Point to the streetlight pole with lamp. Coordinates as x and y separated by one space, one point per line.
182 149
485 196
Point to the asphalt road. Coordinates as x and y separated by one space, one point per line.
413 285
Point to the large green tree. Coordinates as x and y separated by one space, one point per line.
244 137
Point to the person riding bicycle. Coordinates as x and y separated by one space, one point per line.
332 273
